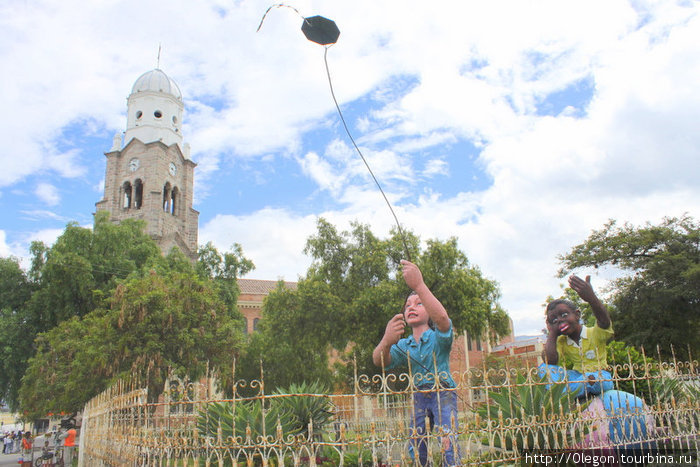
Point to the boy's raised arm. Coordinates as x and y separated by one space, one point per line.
437 312
584 289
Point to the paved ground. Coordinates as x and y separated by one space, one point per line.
9 459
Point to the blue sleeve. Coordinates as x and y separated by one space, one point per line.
444 339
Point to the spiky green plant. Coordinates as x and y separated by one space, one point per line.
215 422
290 409
249 416
310 404
534 409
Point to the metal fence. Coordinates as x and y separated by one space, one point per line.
504 416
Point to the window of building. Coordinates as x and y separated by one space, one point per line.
166 197
138 195
173 201
126 188
255 324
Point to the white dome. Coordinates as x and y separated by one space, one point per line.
156 81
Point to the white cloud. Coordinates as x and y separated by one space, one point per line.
442 74
435 167
48 194
321 172
272 238
4 247
42 214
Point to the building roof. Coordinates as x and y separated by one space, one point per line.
261 287
521 341
156 80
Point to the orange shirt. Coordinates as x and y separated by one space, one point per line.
70 439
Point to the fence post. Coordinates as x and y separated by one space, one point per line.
84 430
466 361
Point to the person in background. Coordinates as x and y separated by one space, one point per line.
68 439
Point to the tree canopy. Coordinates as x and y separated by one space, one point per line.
154 325
657 302
352 288
104 298
69 279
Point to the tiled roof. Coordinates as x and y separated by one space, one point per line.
261 287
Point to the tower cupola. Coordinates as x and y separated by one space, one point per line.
154 110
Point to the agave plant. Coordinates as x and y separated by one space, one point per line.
282 414
310 405
217 420
533 410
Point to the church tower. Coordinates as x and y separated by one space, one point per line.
149 174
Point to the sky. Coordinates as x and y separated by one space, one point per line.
516 127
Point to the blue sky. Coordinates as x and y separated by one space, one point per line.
516 128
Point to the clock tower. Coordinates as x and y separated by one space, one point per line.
149 173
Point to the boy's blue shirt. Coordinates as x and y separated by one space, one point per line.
431 342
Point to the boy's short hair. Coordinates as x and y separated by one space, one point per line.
560 301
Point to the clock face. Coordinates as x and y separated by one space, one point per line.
172 169
134 164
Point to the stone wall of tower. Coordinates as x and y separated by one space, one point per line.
176 226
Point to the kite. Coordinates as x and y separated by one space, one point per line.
325 32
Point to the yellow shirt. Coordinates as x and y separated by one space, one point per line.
590 353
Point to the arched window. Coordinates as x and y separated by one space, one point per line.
255 324
166 197
127 195
138 195
173 200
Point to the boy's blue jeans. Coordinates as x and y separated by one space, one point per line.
440 407
579 384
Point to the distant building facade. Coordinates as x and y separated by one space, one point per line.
527 349
250 300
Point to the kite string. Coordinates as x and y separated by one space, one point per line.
342 119
398 224
277 5
347 130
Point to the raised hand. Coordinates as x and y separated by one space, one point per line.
411 274
394 329
583 288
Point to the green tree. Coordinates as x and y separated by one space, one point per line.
224 269
77 277
83 266
69 279
658 302
352 288
15 347
155 324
